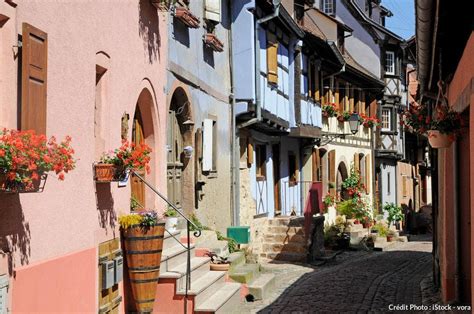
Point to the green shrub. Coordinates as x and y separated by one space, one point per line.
394 212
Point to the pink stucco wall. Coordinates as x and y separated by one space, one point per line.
75 214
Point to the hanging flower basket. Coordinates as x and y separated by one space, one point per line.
114 166
27 157
213 42
439 140
186 17
143 235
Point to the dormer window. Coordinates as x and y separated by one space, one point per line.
328 7
390 63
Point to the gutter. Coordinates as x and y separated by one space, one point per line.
424 22
257 67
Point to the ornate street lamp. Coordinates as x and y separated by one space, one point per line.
354 123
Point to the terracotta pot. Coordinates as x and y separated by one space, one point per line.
143 249
389 238
104 172
439 140
220 267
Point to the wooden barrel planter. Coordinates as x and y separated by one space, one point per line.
143 251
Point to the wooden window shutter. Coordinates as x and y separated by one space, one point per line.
367 173
213 10
207 148
272 58
34 79
373 108
356 162
332 171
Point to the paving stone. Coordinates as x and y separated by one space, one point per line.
355 282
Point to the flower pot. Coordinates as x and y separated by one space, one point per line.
104 172
143 251
389 238
171 224
439 140
220 267
340 119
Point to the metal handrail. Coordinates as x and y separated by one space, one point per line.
189 223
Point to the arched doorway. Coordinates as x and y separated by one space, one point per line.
341 176
179 135
143 132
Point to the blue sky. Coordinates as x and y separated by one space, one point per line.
402 22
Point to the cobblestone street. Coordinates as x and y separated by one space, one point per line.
356 281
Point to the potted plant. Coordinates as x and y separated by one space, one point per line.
328 201
344 116
27 157
171 219
394 213
369 121
442 127
218 263
329 110
114 165
390 235
143 241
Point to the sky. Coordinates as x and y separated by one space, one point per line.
402 22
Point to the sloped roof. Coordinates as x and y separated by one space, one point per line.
350 61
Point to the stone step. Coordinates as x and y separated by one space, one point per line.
225 300
290 247
286 230
199 267
260 288
205 286
285 256
174 255
401 239
284 238
245 273
236 259
287 221
169 241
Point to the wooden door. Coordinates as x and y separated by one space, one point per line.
174 164
276 177
138 187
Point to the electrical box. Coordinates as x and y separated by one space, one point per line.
108 274
240 234
118 269
3 293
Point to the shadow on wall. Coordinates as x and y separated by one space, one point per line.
14 231
105 207
149 30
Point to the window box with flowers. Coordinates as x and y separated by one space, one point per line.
163 5
213 42
183 14
442 127
329 110
369 121
114 166
27 157
344 116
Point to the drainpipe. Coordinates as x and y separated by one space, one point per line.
234 175
257 67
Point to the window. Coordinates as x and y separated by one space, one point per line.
386 120
209 145
404 186
390 63
33 79
292 169
261 158
328 7
312 79
388 183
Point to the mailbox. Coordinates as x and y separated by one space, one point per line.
108 274
118 269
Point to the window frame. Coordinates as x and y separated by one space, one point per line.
392 66
325 6
388 120
260 162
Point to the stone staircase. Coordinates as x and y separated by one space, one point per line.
357 233
209 293
255 283
283 239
